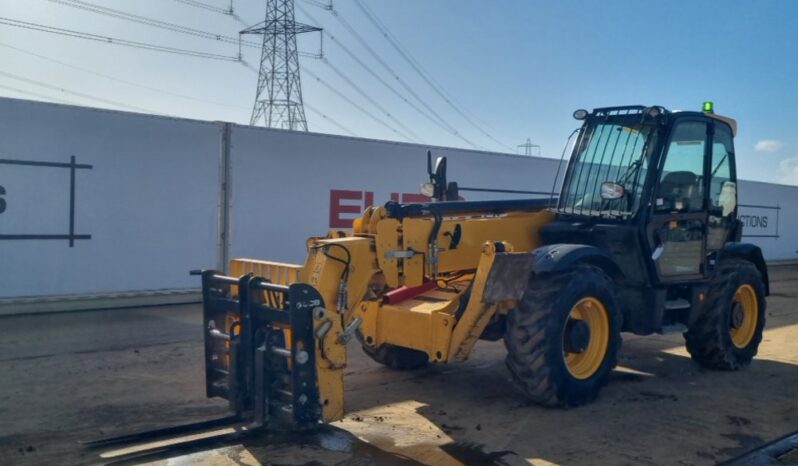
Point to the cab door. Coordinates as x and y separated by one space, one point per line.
677 229
722 193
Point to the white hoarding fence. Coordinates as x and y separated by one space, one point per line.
132 212
769 213
288 186
96 202
759 221
42 214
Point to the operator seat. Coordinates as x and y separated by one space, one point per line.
680 186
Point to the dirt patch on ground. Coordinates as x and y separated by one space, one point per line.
69 377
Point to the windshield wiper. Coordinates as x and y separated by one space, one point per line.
630 171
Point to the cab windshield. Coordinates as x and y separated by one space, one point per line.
608 149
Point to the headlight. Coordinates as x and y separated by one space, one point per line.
581 114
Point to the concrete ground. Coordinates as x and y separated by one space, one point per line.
67 377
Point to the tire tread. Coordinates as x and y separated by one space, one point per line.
528 341
704 339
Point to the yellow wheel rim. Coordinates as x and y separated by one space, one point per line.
585 363
745 315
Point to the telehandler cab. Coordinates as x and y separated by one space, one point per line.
643 237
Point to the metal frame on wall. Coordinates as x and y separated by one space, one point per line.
225 198
73 166
777 208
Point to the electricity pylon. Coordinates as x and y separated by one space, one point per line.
279 96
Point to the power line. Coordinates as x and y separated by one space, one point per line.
119 80
81 35
321 114
326 6
369 70
176 28
390 70
354 104
78 34
382 81
371 100
373 73
102 10
123 15
36 94
113 40
420 70
76 93
227 39
205 6
69 102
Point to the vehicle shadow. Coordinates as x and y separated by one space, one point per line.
657 408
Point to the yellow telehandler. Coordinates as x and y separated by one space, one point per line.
643 238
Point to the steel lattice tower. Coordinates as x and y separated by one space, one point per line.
528 147
279 96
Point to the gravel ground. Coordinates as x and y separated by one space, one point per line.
67 377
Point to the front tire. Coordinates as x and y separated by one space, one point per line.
564 336
727 334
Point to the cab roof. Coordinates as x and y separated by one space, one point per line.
632 109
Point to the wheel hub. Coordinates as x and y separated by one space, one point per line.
586 337
577 336
744 315
737 315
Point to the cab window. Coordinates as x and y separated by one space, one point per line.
722 188
681 182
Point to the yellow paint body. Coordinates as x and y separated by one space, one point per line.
379 261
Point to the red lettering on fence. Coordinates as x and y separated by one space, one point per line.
337 207
343 210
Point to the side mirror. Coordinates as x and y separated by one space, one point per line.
437 186
440 174
611 191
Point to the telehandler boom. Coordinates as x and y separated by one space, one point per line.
643 238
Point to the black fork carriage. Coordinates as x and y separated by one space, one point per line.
259 355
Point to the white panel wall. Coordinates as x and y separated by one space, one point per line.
149 202
282 182
285 180
769 213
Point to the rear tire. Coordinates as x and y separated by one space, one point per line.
727 334
546 366
396 357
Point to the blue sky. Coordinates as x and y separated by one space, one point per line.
516 68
